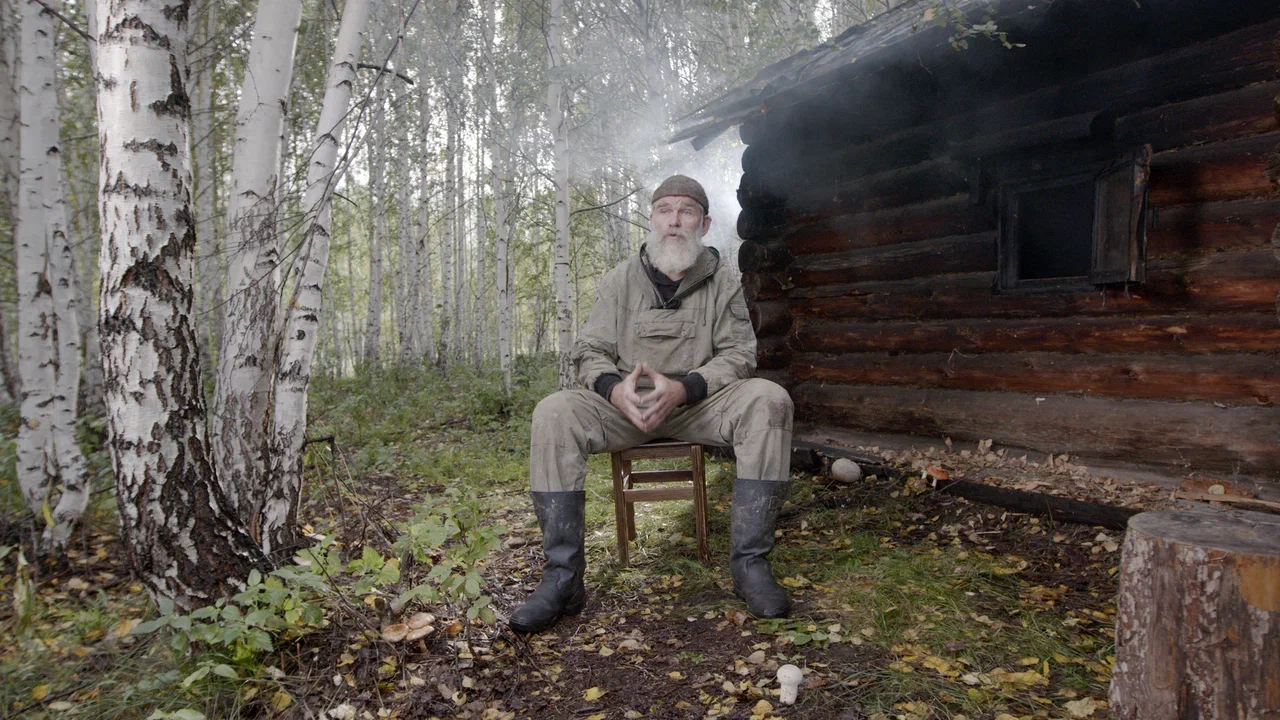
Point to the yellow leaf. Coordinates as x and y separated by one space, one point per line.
593 694
764 707
597 716
39 692
1029 661
281 700
1082 708
675 675
345 659
60 706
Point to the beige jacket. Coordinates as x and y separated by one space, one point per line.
708 333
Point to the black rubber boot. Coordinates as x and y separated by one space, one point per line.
562 516
756 504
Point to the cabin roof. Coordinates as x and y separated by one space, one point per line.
910 26
914 34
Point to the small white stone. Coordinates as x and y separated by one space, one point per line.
846 470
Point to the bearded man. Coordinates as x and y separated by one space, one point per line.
668 351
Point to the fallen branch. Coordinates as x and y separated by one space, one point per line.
1058 509
1231 499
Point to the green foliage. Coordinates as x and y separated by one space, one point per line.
451 529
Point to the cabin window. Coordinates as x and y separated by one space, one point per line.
1084 228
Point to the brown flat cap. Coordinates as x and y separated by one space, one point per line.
684 186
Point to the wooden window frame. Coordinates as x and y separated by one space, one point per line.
1118 246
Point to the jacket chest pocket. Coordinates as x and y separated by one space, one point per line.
666 340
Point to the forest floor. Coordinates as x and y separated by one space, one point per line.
910 604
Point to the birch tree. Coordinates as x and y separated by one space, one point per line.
49 459
373 321
209 275
181 532
242 398
9 380
426 331
558 121
302 325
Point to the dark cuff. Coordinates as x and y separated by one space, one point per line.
605 383
695 388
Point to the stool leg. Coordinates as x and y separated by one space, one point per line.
619 507
700 503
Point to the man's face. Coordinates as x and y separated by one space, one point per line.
679 219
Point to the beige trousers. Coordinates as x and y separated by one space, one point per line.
753 416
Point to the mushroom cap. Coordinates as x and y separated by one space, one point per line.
420 619
394 633
419 632
790 675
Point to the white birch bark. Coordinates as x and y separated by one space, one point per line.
209 271
8 169
49 459
245 360
443 357
373 321
558 121
406 277
8 108
181 532
426 331
302 325
502 241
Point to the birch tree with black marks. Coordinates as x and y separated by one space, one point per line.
182 533
51 468
245 360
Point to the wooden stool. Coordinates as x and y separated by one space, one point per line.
625 495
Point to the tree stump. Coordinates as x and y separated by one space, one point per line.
1198 618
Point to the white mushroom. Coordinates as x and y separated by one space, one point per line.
789 677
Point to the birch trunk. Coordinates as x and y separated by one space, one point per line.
49 342
302 325
373 321
406 278
209 272
459 244
245 375
8 109
181 532
560 154
449 221
8 170
426 332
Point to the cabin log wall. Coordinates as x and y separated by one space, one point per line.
870 269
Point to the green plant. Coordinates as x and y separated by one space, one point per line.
450 532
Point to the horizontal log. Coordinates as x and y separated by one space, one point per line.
1247 281
955 215
967 253
1196 334
1222 116
1201 435
1056 509
1049 132
773 353
930 180
1212 226
770 318
1227 170
762 286
1232 61
1230 379
756 257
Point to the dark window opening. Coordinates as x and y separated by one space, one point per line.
1055 232
1083 227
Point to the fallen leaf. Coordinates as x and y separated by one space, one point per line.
60 706
39 692
1082 708
281 700
593 694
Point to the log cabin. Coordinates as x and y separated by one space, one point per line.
1048 223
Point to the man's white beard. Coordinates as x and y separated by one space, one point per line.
673 256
